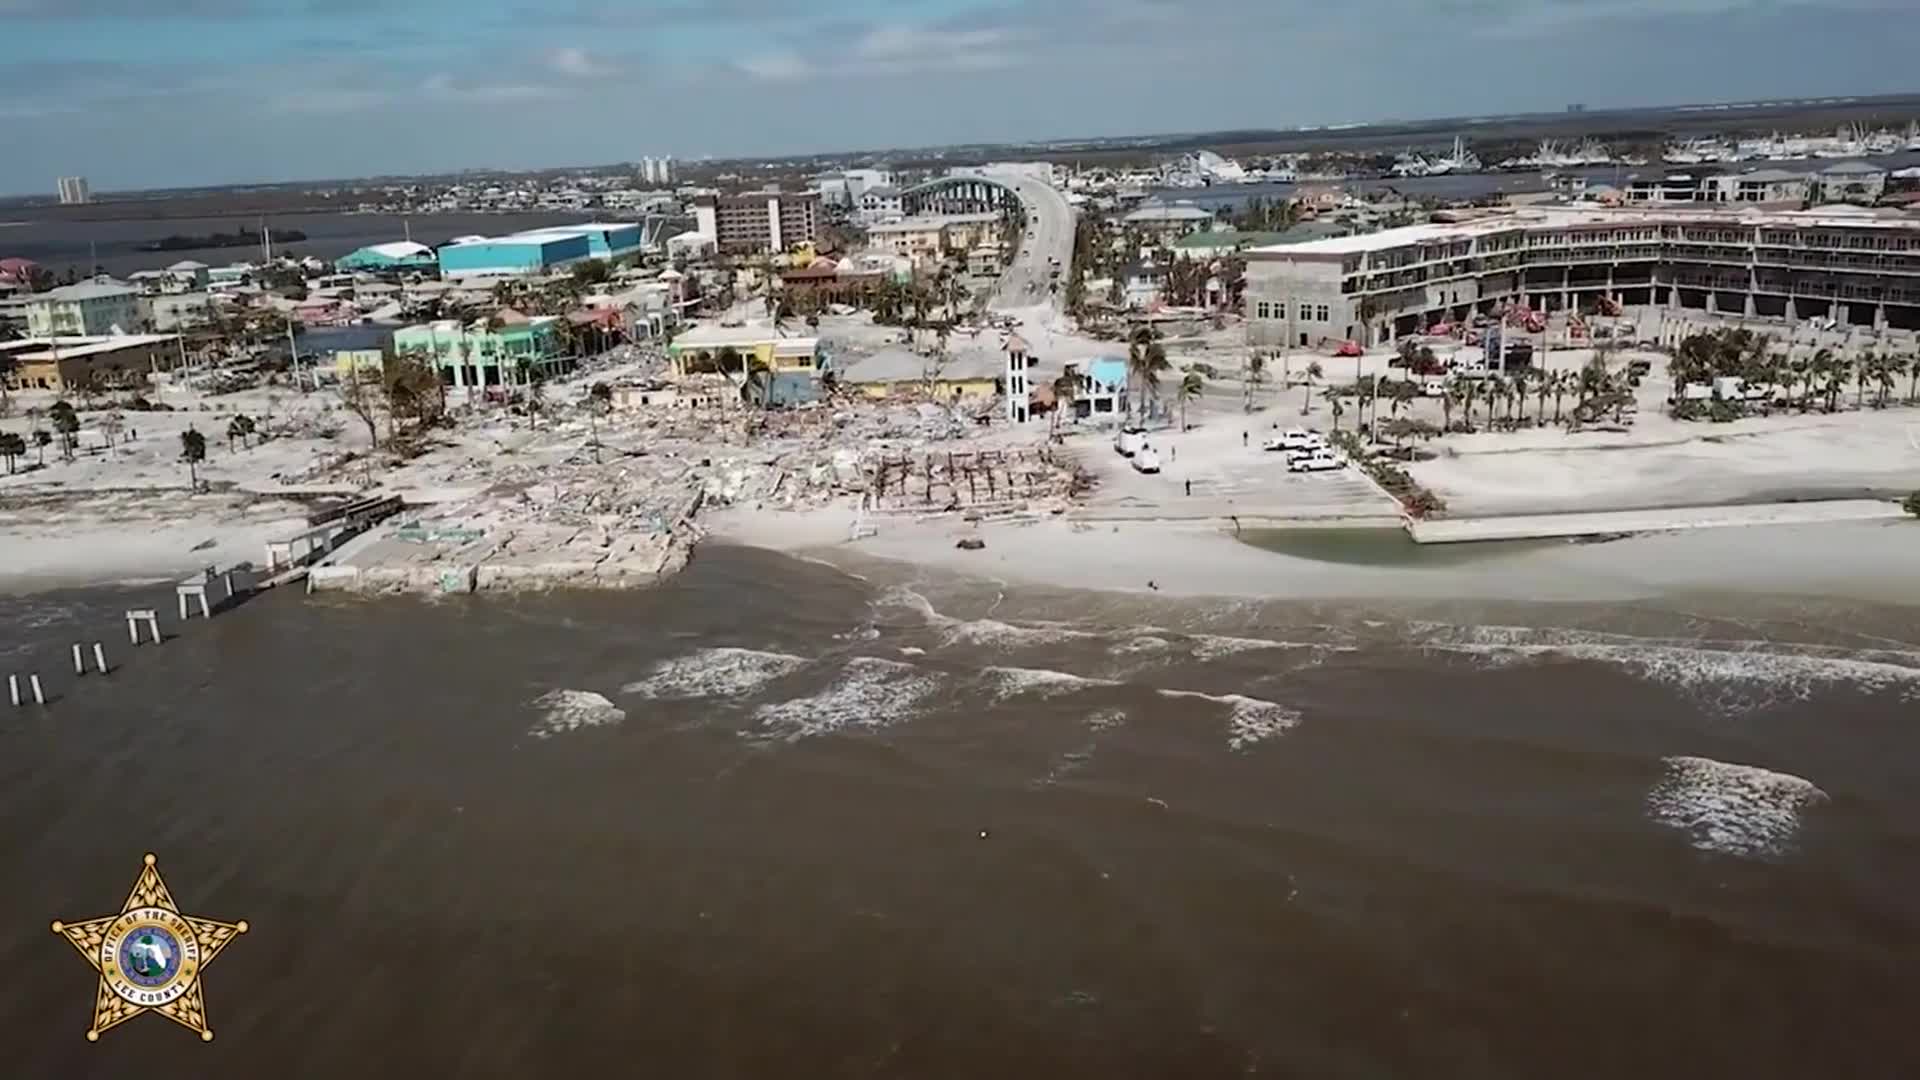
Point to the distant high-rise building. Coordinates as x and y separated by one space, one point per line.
73 191
657 170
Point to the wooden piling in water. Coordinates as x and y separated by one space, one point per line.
100 657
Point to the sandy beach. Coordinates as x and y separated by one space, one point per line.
126 512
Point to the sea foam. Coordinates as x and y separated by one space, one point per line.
715 673
1005 682
1732 809
1249 720
570 710
869 693
1729 676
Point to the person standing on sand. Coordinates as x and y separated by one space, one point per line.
1189 487
1243 439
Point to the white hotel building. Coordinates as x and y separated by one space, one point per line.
1858 266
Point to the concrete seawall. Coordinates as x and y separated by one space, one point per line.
1603 523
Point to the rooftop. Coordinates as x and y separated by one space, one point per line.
1570 217
924 222
1179 211
899 365
71 348
399 249
86 290
715 336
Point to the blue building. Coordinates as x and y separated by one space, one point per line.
604 240
401 255
533 253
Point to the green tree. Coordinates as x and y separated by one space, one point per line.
67 423
1314 372
1256 375
1146 361
193 450
1912 504
12 447
41 438
1191 386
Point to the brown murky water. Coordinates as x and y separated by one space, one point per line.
773 819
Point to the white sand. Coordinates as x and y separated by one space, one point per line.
1881 561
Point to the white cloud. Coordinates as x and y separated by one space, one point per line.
576 62
444 87
777 67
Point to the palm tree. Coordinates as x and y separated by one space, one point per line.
42 437
67 423
1146 359
1191 386
1333 400
1543 386
1863 373
1913 374
193 450
1313 376
1066 389
12 446
1798 375
1256 374
1839 370
1449 397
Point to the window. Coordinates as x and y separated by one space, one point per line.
1323 313
1306 310
1261 310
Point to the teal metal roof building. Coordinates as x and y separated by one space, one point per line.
400 255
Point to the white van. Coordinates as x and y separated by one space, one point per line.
1129 440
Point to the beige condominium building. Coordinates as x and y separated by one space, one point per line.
759 221
1855 265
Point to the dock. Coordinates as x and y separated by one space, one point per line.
1617 522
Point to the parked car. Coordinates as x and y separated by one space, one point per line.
1130 440
1294 439
1146 460
1321 460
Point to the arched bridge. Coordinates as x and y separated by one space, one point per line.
961 195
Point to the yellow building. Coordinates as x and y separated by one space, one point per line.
699 349
973 374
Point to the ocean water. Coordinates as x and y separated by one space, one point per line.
778 818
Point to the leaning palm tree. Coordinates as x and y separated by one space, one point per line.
1313 376
1191 386
1333 402
193 450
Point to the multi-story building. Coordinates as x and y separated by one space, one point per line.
537 251
1760 186
91 309
657 170
476 355
879 204
74 191
1855 265
759 221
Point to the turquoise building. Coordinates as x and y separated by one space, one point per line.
476 355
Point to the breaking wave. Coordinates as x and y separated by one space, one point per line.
562 711
1250 720
715 673
1732 676
1732 809
869 693
1006 682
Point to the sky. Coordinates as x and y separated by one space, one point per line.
159 93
